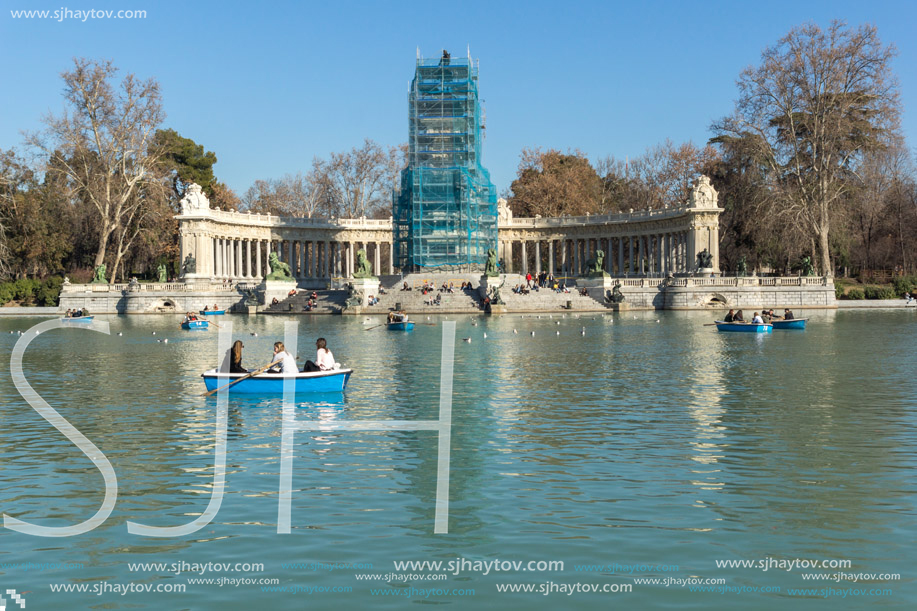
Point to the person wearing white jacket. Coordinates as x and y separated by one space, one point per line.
287 363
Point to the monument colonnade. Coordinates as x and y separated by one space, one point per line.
234 246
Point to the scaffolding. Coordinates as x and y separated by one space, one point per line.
445 214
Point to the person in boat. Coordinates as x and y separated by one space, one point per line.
730 316
215 308
757 320
69 313
324 360
765 317
738 317
233 359
286 362
787 314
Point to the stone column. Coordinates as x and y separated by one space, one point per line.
537 257
551 266
259 268
391 258
377 258
525 259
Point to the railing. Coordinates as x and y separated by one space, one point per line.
270 220
748 281
597 219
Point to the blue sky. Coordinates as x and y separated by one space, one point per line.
268 86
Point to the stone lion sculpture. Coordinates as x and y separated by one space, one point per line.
491 268
595 266
364 267
279 269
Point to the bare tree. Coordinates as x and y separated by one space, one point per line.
360 182
102 144
817 103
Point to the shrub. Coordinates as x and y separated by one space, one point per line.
838 290
904 284
879 292
6 292
24 289
855 294
48 294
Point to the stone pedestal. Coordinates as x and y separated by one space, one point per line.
619 307
367 286
269 289
251 309
603 282
704 272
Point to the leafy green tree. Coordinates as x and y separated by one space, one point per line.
186 161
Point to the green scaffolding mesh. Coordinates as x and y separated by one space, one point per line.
446 211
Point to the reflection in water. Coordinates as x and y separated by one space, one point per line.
666 442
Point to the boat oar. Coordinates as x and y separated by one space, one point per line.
245 377
212 322
375 327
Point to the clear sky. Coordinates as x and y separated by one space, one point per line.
267 86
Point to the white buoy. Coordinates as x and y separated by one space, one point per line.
557 332
485 335
557 323
154 332
120 334
254 335
466 339
533 334
514 331
165 341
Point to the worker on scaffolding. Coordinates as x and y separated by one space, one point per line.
445 60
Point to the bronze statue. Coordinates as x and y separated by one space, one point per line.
491 268
162 272
190 265
704 259
355 298
742 266
615 295
279 269
595 266
99 275
364 268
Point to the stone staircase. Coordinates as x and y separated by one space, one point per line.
415 301
546 300
329 302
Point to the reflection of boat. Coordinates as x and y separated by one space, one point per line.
404 325
272 383
212 312
793 323
188 325
77 319
742 327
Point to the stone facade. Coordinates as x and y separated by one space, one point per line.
235 246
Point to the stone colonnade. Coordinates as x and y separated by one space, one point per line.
628 255
247 259
236 246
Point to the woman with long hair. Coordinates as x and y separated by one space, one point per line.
324 360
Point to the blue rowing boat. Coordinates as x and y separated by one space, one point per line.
742 327
405 325
793 323
272 383
195 324
212 312
87 319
